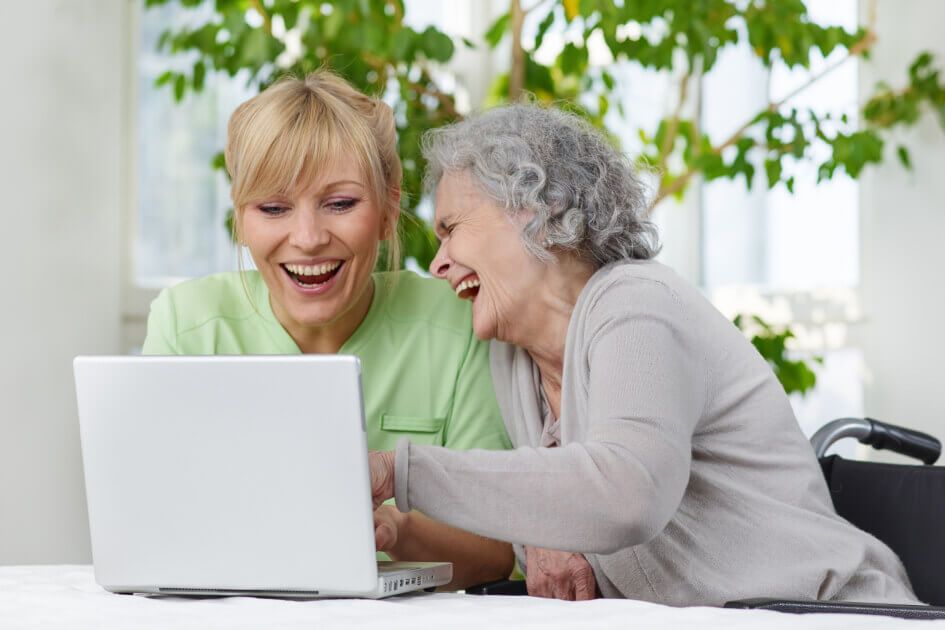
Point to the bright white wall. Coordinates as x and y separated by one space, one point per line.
902 268
60 178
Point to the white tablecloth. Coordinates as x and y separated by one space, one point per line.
68 597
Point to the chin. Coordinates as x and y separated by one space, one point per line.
484 331
309 317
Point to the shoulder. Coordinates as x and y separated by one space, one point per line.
193 303
629 288
412 299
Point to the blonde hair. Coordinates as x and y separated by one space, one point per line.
287 132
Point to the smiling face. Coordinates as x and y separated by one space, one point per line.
482 256
316 247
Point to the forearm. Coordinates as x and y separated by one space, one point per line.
558 498
475 559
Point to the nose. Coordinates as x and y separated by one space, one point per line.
441 263
310 231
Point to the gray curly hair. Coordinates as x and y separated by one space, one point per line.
586 195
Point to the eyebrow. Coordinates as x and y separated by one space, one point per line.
341 182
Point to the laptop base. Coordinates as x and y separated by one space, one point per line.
393 578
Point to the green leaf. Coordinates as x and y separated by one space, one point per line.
773 171
608 80
436 45
573 60
903 154
543 27
219 161
333 22
200 72
404 44
180 84
258 48
165 77
497 30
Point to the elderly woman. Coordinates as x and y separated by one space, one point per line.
655 450
316 190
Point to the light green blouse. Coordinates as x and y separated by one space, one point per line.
425 375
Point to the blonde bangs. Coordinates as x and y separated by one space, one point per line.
291 142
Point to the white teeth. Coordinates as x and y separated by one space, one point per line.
467 284
313 270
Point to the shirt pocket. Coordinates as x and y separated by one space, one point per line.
419 429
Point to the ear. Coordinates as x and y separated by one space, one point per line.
389 222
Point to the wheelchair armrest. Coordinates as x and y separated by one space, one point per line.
499 587
903 611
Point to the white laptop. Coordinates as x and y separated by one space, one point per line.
233 476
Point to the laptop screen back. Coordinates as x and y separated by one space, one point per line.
240 473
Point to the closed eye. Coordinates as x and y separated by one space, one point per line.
273 209
341 205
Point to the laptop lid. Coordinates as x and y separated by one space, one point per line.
230 473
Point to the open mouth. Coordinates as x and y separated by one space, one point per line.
468 289
313 276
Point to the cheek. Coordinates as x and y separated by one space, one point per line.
364 233
261 238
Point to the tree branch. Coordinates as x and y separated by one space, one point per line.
398 12
669 141
267 19
431 88
517 69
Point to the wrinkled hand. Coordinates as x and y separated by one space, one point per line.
559 574
382 475
388 523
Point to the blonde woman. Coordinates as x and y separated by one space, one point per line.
316 189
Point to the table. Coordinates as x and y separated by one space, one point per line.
67 597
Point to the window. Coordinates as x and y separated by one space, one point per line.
789 258
181 200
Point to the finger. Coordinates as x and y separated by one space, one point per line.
536 582
563 587
541 587
384 535
562 591
531 574
382 476
585 586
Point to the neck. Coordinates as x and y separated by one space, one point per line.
542 328
328 338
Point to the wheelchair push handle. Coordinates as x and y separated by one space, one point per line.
879 435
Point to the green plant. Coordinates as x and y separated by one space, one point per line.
684 39
367 42
794 374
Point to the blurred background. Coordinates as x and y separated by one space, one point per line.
796 152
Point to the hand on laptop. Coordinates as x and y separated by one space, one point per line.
388 521
382 475
559 574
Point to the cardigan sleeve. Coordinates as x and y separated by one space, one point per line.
622 483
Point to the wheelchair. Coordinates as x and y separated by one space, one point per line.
902 505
